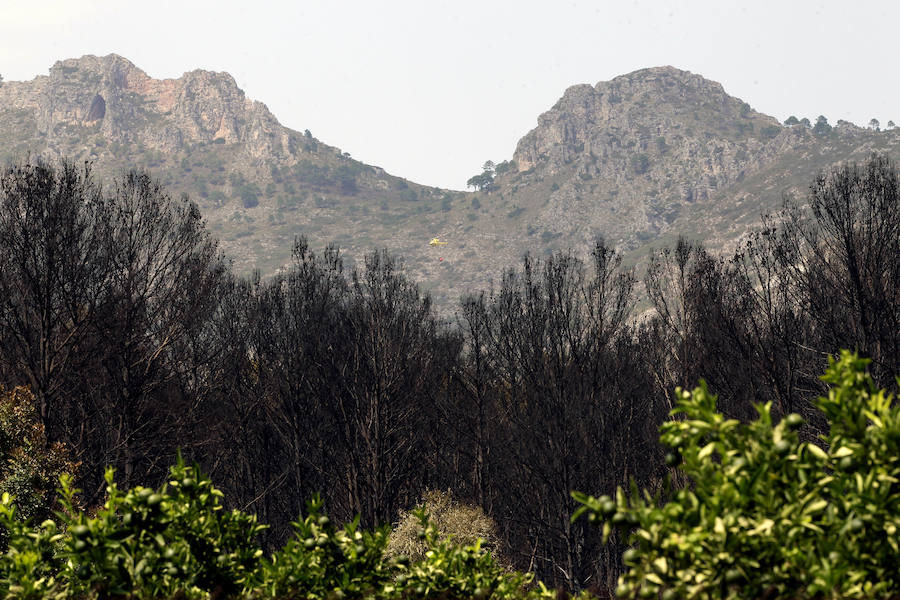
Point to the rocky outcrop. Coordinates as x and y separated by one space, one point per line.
634 111
630 158
652 125
127 106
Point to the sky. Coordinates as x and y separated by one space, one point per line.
431 89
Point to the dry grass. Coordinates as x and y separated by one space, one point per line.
462 523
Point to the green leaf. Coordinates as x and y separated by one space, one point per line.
817 452
842 452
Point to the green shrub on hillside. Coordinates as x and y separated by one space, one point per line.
766 516
30 467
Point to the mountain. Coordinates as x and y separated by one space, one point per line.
661 151
637 160
257 183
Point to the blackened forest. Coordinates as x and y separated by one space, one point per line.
120 314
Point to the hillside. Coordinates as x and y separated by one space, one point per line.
661 151
637 160
258 183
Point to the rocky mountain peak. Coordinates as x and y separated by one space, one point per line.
258 183
642 108
126 105
653 152
113 69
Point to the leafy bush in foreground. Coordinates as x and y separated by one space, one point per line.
30 467
178 541
766 516
322 559
465 571
33 560
158 542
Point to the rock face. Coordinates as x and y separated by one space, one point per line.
129 106
648 153
636 112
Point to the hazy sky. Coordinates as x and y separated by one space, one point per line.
430 89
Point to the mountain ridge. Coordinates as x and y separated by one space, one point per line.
635 160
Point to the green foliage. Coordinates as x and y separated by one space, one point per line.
29 467
767 515
640 163
248 192
178 541
770 131
249 199
178 538
459 571
821 127
505 167
343 178
29 569
484 181
312 174
346 178
322 560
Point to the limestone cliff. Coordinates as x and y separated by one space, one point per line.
125 105
662 151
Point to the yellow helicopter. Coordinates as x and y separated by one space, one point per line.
437 242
